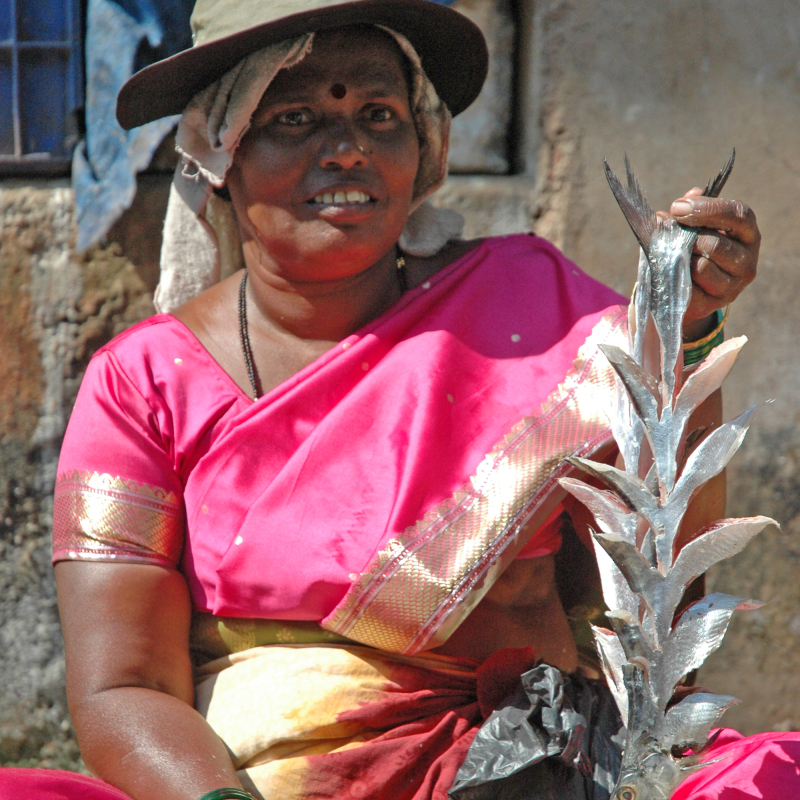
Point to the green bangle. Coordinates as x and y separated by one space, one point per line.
227 794
694 352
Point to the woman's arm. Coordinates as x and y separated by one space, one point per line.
708 505
129 681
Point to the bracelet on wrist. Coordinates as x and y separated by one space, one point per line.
694 352
231 793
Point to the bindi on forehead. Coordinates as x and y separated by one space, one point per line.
323 71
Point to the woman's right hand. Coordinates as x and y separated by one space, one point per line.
129 681
724 258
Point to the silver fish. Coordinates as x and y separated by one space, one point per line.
646 653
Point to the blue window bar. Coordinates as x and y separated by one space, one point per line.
41 85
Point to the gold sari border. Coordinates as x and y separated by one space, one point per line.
101 517
423 583
109 555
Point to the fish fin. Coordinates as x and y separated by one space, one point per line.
714 543
634 205
687 724
642 387
643 579
611 514
707 377
714 187
709 459
698 632
612 657
693 761
628 487
700 764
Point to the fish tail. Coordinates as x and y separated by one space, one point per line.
714 187
634 205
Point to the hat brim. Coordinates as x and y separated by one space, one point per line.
451 47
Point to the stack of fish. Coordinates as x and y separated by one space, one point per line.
648 652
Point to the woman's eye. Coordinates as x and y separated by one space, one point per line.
294 118
380 115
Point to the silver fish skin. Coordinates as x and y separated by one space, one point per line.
647 652
667 247
649 770
654 779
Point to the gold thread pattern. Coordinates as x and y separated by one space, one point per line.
105 518
425 582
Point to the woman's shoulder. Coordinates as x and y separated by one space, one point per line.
524 257
457 252
152 339
544 274
526 246
528 249
162 355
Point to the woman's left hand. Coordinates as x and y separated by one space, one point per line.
725 255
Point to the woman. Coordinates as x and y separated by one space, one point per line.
361 562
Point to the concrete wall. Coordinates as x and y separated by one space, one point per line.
675 85
56 309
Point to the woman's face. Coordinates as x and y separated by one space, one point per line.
323 180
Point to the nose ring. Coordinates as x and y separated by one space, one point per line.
360 148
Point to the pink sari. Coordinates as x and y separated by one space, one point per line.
376 495
402 463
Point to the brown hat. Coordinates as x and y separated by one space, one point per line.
452 48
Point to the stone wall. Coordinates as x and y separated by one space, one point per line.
56 309
674 85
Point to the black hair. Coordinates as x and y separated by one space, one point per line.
222 191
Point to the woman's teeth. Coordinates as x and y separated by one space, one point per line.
340 198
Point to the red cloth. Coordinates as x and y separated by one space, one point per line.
761 767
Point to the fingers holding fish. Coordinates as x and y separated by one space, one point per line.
725 254
699 321
732 217
731 242
721 266
721 269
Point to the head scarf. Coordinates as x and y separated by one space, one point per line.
201 239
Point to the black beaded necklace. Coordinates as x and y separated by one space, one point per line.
244 335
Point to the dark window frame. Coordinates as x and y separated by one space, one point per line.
20 163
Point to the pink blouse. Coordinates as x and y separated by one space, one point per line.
272 508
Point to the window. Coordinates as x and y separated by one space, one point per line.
41 85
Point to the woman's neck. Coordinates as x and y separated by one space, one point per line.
329 310
292 324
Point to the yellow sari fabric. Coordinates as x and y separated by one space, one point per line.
314 721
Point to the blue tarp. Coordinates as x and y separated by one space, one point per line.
122 37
